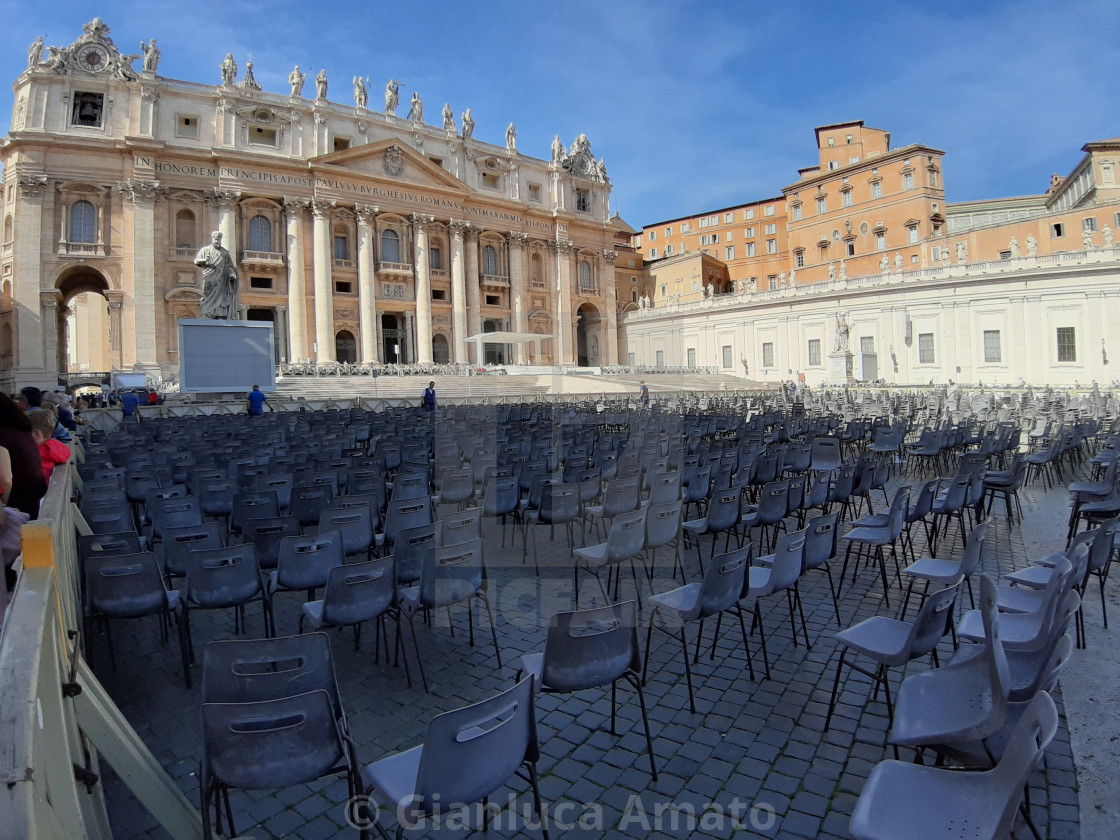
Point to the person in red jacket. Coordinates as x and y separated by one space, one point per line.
51 451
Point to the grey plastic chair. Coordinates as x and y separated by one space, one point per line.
779 572
721 517
901 799
467 755
592 649
892 643
180 542
460 527
962 702
945 572
876 538
624 542
355 524
719 592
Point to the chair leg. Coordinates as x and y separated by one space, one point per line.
493 626
757 622
688 669
633 680
835 689
746 644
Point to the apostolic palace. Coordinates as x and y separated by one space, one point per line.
364 234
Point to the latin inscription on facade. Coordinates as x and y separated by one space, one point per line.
388 290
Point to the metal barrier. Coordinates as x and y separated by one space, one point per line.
57 723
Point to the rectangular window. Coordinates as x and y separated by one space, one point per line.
686 227
728 218
1089 223
88 108
1057 230
341 144
493 300
933 178
797 212
691 357
186 126
748 214
867 344
908 181
771 246
653 253
261 136
750 249
912 234
799 258
846 198
660 358
1067 344
583 201
750 232
729 252
1005 255
925 349
771 281
439 294
851 247
771 229
727 355
668 249
769 211
1116 220
880 242
814 352
854 159
669 231
822 205
260 282
768 354
652 236
494 182
435 258
630 359
877 189
341 248
344 287
992 351
534 192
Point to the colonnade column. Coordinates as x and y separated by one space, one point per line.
423 291
610 353
324 293
518 292
409 346
367 285
566 351
227 220
297 288
139 202
458 294
474 306
282 333
29 361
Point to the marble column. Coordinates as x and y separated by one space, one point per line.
518 291
297 283
458 294
48 314
116 305
566 349
139 201
28 324
423 290
474 306
367 286
284 350
409 346
323 288
227 221
610 339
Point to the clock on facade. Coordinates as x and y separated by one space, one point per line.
93 57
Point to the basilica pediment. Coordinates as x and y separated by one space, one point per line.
390 160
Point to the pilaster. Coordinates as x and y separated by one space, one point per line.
458 293
139 199
474 306
367 285
423 290
323 287
297 288
610 351
29 325
518 292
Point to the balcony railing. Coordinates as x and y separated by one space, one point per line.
83 249
346 264
262 257
588 290
187 253
495 281
441 273
394 268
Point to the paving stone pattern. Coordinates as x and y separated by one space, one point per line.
756 749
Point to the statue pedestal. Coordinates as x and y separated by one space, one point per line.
841 368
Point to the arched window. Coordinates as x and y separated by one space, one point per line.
584 276
536 269
390 246
8 228
489 260
260 233
441 350
83 222
185 229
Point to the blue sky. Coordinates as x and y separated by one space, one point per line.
695 106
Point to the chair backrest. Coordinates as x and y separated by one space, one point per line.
124 542
406 513
305 561
974 550
265 535
627 536
590 483
795 498
359 592
411 548
999 674
665 487
252 506
1025 746
451 573
354 523
223 577
110 520
825 454
932 622
280 484
559 503
124 585
663 523
723 582
700 485
922 504
250 671
820 540
622 496
723 509
471 752
590 648
788 559
461 527
179 542
773 502
500 495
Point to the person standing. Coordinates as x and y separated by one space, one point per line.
129 402
643 394
430 397
256 401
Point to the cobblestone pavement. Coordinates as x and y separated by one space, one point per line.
756 749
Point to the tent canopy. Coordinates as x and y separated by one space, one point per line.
507 338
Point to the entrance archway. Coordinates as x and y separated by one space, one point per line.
345 347
588 338
441 350
392 340
88 337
